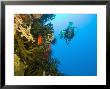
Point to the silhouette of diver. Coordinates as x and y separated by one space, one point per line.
68 33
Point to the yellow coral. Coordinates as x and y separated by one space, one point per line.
18 21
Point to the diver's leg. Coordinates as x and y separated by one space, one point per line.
68 41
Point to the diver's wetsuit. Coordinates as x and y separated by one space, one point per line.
69 35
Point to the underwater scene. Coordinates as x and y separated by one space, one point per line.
55 44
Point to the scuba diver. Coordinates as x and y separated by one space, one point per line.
68 33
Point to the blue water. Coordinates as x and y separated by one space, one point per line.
79 58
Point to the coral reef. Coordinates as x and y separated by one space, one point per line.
32 45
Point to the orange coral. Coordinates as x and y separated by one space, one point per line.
40 40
